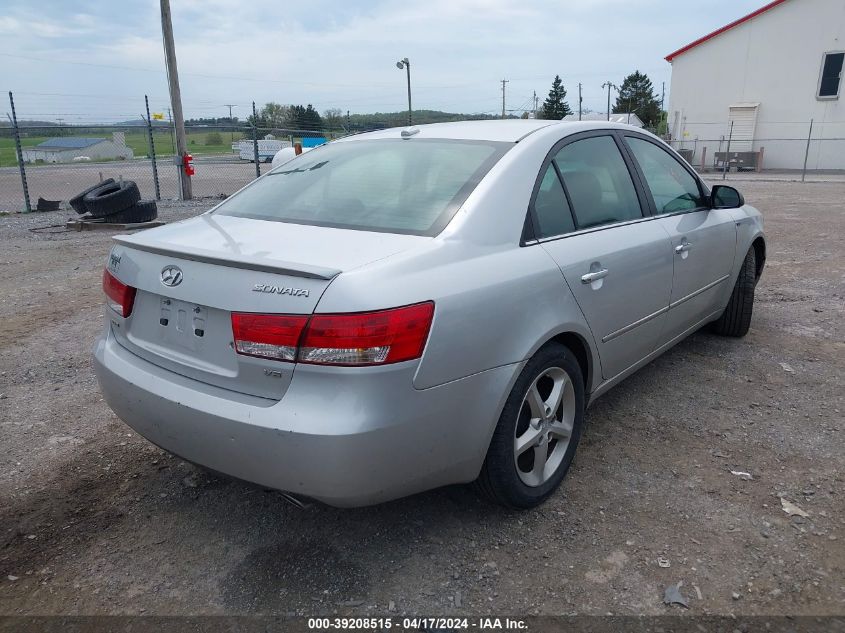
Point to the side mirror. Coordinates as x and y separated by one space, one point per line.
724 197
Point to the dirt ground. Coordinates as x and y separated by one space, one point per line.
95 520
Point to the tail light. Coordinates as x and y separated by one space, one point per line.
273 336
367 338
120 296
364 338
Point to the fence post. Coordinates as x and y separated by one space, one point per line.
806 151
255 141
727 153
20 153
760 155
152 148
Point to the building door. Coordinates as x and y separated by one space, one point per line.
743 116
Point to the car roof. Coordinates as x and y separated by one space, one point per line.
507 130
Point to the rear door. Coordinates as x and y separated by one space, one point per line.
588 215
703 239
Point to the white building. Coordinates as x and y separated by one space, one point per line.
769 73
66 149
629 118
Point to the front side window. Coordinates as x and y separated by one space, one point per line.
672 187
831 75
411 186
598 182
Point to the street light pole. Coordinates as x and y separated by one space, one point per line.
404 63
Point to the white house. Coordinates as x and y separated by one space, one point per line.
761 80
65 149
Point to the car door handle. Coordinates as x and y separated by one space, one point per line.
594 276
682 248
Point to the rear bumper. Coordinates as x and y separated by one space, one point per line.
344 436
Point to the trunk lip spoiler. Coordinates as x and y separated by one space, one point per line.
250 263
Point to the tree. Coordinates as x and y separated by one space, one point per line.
313 120
304 118
332 118
637 96
272 115
555 106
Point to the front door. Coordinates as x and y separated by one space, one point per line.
703 239
617 263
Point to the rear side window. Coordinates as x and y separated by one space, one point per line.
411 186
598 182
551 207
672 187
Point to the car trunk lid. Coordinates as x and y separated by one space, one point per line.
192 275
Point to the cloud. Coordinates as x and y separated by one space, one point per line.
332 53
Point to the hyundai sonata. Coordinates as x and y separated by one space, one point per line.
409 308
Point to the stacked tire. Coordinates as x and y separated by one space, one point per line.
115 203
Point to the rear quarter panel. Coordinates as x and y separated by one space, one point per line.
494 306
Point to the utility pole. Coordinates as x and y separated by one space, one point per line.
175 97
231 123
580 101
535 104
348 126
662 95
504 81
608 85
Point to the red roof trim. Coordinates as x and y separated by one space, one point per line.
709 36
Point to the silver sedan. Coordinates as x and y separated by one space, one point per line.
410 308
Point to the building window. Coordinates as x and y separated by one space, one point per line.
831 76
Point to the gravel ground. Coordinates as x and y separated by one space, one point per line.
95 520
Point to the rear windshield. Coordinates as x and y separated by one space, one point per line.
411 186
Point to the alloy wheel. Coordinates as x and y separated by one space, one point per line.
544 426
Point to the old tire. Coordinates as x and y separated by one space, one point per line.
143 211
538 431
736 319
78 203
111 198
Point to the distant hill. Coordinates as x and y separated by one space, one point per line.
140 122
397 119
29 123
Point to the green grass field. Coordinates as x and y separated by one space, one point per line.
137 140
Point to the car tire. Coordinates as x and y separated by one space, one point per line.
78 202
510 475
736 319
143 211
111 198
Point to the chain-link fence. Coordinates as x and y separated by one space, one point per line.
790 150
61 160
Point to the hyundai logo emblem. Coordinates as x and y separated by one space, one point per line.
171 276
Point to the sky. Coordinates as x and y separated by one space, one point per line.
85 61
